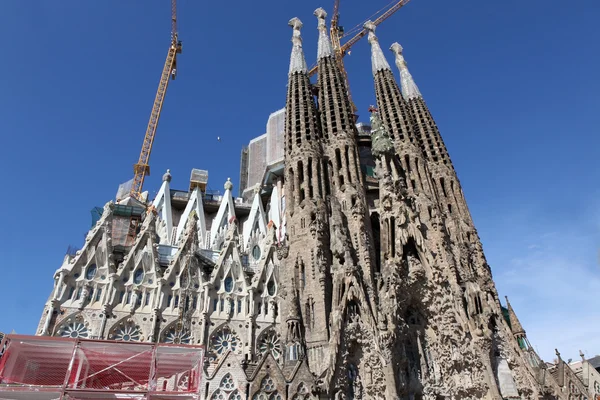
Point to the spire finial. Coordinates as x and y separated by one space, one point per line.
409 87
228 185
297 61
167 176
378 61
324 42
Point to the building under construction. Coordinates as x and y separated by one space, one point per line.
348 267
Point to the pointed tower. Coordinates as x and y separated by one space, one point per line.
306 266
397 119
344 178
516 327
445 181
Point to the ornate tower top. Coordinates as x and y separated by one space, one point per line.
324 42
297 60
515 324
407 83
378 61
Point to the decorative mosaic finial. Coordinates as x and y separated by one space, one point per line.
228 185
378 61
324 42
167 176
409 87
381 143
297 60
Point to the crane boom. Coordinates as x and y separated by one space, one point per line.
378 21
343 49
142 168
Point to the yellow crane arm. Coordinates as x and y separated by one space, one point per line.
142 168
346 46
352 41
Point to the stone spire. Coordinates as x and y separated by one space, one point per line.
396 117
515 324
341 149
297 60
324 49
378 61
305 207
409 87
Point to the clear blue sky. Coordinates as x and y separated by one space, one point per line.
513 86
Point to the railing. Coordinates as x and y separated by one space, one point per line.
45 368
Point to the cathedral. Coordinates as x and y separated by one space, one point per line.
328 283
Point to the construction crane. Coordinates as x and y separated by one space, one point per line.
337 33
142 168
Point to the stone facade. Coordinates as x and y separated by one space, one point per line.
332 283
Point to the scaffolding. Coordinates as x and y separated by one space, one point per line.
49 368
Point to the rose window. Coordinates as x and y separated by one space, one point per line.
73 329
128 333
270 343
177 336
223 341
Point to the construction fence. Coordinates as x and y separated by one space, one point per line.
44 368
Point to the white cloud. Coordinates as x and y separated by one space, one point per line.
554 287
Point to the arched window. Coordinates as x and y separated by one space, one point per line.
256 252
228 284
91 272
138 276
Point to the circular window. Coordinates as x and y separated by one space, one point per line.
228 284
256 252
138 276
91 272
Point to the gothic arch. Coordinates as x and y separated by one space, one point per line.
268 390
302 392
228 389
75 326
127 330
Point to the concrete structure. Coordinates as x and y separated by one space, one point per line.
353 270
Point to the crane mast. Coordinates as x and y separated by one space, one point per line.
336 33
142 168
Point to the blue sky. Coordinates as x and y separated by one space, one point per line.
512 85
